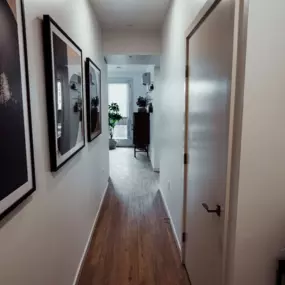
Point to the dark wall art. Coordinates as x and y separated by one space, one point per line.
64 92
93 98
16 149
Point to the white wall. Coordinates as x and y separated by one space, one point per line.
128 42
260 232
150 69
155 119
43 241
179 17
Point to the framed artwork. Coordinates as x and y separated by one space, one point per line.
16 147
93 98
64 92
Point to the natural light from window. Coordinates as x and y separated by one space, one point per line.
119 93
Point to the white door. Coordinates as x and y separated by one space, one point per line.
120 92
210 52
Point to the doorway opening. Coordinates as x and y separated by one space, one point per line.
120 92
131 80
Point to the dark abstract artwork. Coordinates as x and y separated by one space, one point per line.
93 97
16 150
63 60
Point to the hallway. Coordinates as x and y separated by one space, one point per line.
133 242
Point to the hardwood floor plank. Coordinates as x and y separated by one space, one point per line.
133 243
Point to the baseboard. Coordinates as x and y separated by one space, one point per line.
81 263
155 169
171 224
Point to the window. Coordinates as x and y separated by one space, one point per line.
59 95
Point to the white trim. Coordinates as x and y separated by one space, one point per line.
154 169
171 223
25 89
84 255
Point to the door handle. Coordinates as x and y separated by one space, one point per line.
217 211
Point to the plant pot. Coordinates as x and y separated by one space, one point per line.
112 144
142 110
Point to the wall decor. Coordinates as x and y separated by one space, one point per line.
64 92
93 98
16 148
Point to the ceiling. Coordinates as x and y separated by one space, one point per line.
131 68
133 59
131 14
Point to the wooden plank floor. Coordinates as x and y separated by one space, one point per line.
133 243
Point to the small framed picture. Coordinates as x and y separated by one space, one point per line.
64 92
93 99
16 143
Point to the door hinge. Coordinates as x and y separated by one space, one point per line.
185 158
184 237
187 71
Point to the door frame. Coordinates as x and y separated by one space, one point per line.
235 125
130 81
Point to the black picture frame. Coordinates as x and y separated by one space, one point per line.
13 15
94 120
56 63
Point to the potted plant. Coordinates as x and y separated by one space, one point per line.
114 118
142 103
